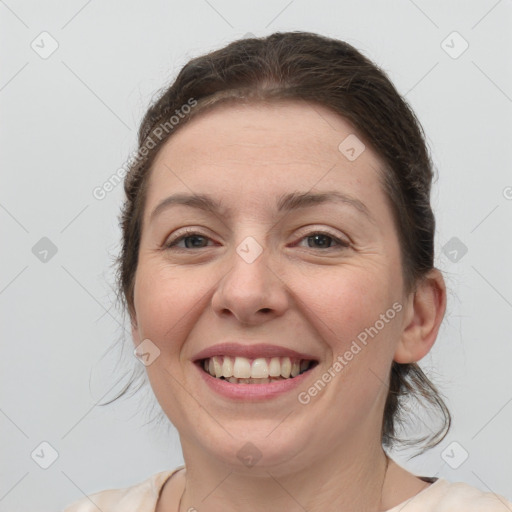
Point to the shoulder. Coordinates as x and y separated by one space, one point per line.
445 496
457 494
140 497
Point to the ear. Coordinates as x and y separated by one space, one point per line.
423 318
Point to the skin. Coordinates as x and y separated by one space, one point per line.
303 293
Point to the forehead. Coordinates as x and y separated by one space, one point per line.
248 151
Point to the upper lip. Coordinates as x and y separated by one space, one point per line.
251 351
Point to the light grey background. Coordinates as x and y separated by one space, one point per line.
69 121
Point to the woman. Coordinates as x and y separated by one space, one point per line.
277 266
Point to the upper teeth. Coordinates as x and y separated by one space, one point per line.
260 368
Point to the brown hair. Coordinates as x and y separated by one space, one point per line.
332 73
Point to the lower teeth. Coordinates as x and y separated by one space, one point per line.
234 380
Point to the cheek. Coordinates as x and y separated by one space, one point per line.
345 301
345 308
164 302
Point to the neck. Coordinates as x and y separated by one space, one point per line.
341 480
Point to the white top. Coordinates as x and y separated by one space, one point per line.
441 496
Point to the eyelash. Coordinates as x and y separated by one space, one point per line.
342 244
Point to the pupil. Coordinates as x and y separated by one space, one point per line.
324 237
196 237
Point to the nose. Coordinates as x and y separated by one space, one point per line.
251 291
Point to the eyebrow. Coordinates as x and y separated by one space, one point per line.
285 203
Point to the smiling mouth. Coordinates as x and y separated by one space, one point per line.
241 370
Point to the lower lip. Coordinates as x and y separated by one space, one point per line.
252 392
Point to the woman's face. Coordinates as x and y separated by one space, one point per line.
319 277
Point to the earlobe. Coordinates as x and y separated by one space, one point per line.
424 316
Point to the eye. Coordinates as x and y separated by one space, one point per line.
323 240
190 238
316 239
